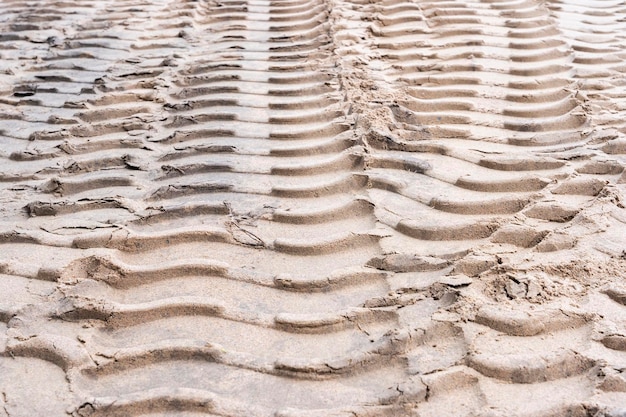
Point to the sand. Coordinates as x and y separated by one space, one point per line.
253 208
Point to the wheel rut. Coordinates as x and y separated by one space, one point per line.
312 208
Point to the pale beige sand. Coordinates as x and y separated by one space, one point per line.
312 208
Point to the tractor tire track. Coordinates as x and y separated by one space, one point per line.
312 208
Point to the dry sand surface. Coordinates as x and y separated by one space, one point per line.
316 208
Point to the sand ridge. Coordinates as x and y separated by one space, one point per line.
312 208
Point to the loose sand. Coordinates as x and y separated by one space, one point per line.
255 208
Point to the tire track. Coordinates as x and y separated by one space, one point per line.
53 54
260 208
247 99
488 99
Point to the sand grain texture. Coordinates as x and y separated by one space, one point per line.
312 208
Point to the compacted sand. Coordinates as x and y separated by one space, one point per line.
254 208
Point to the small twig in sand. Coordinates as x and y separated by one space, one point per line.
234 222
